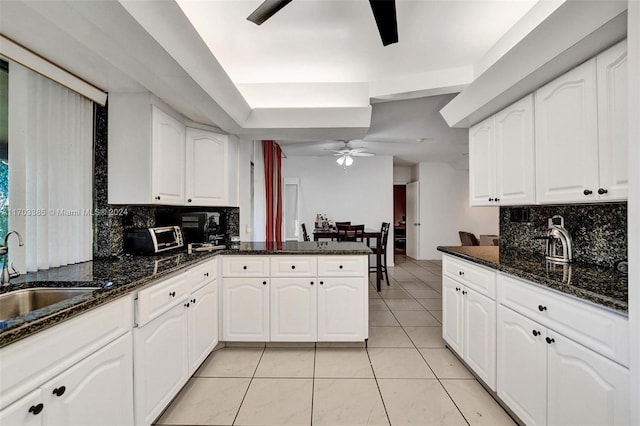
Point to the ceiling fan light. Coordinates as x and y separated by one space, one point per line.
340 160
348 160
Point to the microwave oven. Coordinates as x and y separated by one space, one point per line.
152 240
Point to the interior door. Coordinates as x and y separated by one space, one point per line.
413 219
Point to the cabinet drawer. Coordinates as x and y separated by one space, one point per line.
601 330
202 274
342 266
159 298
245 266
480 279
294 266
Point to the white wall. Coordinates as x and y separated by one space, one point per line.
245 156
402 175
444 209
363 195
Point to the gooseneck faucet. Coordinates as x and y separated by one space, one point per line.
8 272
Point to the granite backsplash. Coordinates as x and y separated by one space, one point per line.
599 231
108 228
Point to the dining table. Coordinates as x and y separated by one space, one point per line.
369 234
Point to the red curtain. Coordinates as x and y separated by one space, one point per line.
273 190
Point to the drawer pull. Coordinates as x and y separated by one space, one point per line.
536 333
186 305
36 409
293 266
206 274
490 199
340 266
172 294
244 267
587 192
59 391
550 340
457 288
321 282
602 191
193 301
311 282
542 308
464 292
264 283
461 273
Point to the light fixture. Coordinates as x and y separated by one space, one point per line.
345 160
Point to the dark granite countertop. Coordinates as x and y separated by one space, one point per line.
118 277
600 285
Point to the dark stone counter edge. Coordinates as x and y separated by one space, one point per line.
23 327
585 296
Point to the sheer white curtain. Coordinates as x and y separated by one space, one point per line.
50 172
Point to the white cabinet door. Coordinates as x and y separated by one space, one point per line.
245 309
566 137
522 366
207 174
294 309
452 314
27 411
583 387
515 154
479 345
203 324
612 122
168 155
96 391
160 363
482 161
342 314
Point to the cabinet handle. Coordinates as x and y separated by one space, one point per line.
542 308
602 191
193 301
186 305
457 288
587 192
536 333
464 292
497 199
206 274
36 409
59 391
311 282
491 199
157 197
461 273
293 266
321 282
244 267
172 294
264 283
550 340
189 200
340 266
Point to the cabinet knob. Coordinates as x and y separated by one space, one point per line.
602 191
491 199
157 197
264 283
311 282
206 274
550 340
542 308
186 305
244 267
460 273
457 288
587 192
189 200
193 301
497 199
340 266
293 266
172 294
36 409
536 332
59 391
321 282
464 292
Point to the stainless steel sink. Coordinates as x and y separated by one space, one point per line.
20 302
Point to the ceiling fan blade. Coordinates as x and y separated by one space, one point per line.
362 154
266 10
385 13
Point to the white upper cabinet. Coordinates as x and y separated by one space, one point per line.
515 174
482 161
207 180
154 159
501 157
612 122
567 137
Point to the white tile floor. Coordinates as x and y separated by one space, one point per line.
406 376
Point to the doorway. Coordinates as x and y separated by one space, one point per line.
413 220
399 219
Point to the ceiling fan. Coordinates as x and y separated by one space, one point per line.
384 12
346 154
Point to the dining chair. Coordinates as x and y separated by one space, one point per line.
351 233
468 239
305 236
384 231
342 223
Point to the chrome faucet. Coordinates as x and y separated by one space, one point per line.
559 242
8 272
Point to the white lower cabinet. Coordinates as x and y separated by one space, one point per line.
161 362
202 324
342 314
469 328
245 309
83 395
547 378
294 312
